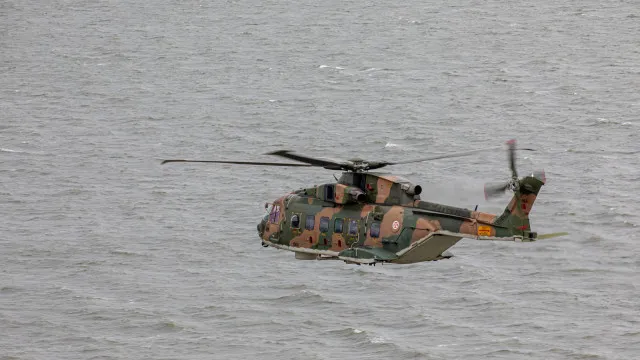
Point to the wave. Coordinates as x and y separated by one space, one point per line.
10 150
127 253
610 122
358 335
304 296
603 151
168 326
330 67
375 345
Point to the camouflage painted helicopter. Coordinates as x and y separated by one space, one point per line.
369 218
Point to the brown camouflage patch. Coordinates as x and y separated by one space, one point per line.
306 239
395 213
340 195
366 209
469 227
338 242
424 227
302 239
384 190
373 242
483 217
526 202
392 178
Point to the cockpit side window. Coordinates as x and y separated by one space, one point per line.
295 221
328 191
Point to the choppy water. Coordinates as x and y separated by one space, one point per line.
107 255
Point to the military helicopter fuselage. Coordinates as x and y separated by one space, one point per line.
369 218
372 217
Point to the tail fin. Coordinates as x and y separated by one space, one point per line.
516 215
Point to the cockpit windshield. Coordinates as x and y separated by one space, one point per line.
274 217
268 208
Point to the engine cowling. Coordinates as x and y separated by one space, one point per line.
356 195
337 193
349 194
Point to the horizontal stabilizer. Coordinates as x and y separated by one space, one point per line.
362 255
552 235
378 254
428 248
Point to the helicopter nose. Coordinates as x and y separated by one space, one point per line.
261 226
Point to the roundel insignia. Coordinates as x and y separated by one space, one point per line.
396 225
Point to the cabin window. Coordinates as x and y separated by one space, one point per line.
337 226
328 191
310 223
353 227
374 231
324 224
295 221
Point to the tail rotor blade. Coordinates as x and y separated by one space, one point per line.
494 190
512 158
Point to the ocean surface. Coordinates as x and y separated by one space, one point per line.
106 254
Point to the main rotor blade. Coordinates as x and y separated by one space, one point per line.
312 161
233 162
443 156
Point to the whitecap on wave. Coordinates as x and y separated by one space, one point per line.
355 334
9 150
401 145
611 122
331 67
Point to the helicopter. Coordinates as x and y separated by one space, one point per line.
370 217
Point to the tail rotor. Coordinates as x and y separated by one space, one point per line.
525 191
492 190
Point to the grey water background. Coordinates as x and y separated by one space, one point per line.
106 254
